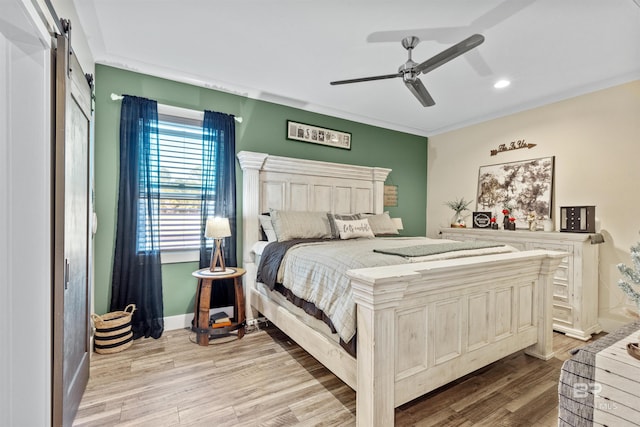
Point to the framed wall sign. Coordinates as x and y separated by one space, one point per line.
390 195
317 135
482 220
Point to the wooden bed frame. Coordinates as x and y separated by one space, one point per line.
420 325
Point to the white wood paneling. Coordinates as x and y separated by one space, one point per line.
503 313
575 282
343 200
448 333
525 306
412 336
322 198
478 327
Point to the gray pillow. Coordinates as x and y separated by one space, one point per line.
335 233
300 225
381 224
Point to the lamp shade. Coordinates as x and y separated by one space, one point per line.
217 228
398 223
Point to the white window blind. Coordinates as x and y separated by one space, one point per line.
180 141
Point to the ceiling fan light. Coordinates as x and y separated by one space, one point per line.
501 84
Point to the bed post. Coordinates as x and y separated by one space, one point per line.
376 302
379 177
251 163
543 349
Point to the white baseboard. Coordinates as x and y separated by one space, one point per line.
182 321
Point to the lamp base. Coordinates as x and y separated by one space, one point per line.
217 259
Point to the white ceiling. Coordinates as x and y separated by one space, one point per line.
287 51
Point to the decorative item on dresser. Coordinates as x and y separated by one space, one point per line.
482 220
575 283
458 206
578 219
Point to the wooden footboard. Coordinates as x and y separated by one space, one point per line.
423 325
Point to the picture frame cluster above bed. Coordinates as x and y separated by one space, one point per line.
318 135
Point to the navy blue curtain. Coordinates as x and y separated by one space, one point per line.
219 194
137 274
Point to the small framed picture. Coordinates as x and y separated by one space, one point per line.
482 220
317 135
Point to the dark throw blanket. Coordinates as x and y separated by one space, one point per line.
268 274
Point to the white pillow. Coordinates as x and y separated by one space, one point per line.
354 228
344 217
267 227
300 225
381 224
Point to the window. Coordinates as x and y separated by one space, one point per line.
180 143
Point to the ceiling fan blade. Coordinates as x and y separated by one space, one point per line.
450 53
419 91
366 79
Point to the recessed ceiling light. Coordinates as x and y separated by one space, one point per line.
501 84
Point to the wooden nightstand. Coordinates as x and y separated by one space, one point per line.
206 280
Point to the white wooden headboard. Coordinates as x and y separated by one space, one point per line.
285 183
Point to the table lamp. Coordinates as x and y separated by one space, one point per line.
217 229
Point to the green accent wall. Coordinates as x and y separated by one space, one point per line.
263 129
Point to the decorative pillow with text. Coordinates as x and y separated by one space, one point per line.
354 229
335 234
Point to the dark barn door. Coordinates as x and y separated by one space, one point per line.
71 291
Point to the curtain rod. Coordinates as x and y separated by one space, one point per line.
116 97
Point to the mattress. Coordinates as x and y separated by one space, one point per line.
314 272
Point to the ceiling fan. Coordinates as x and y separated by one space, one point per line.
410 70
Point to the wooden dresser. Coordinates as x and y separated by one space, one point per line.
575 284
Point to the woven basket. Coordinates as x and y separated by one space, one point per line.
113 331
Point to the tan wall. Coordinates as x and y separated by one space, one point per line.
595 139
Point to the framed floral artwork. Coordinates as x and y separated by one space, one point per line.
522 187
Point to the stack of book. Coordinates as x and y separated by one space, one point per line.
219 320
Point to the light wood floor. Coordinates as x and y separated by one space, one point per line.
265 379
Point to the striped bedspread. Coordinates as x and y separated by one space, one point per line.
316 271
580 388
